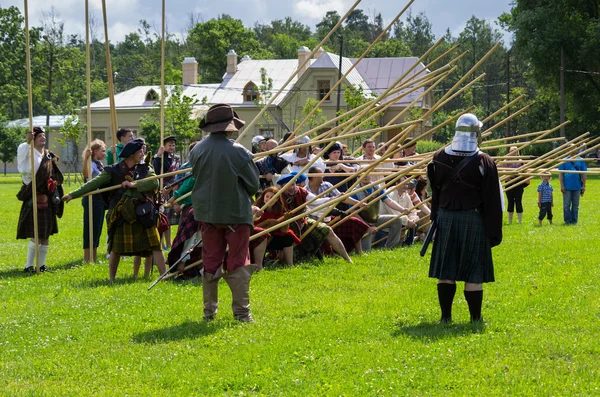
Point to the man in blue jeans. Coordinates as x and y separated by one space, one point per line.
572 186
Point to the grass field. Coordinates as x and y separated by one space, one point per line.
326 328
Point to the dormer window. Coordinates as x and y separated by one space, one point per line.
250 92
323 87
152 95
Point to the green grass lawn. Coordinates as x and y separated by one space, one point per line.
326 328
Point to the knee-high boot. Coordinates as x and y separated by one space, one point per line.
446 294
510 217
474 300
239 283
520 217
210 294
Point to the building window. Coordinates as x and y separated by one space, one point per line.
152 95
268 133
98 135
323 86
250 92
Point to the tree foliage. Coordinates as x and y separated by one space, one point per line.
541 29
10 139
178 123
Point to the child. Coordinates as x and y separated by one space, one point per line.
545 199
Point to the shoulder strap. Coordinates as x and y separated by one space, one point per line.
457 169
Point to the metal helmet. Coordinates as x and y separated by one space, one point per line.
256 143
467 131
304 139
258 139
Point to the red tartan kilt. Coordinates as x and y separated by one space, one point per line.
255 243
351 232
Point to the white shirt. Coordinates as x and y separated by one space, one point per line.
24 161
293 157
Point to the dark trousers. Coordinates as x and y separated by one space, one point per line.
515 198
98 210
545 209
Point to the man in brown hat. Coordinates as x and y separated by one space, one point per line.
226 179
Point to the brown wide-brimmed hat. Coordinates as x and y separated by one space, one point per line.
221 118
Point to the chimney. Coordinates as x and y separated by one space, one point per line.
303 55
189 68
246 58
320 51
231 62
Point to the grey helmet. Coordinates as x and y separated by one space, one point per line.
256 143
467 131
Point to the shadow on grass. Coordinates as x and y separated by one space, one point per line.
432 331
19 273
105 282
187 330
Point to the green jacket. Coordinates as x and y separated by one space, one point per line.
109 156
226 179
104 180
185 187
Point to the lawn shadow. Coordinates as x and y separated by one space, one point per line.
104 282
186 330
19 273
14 273
432 331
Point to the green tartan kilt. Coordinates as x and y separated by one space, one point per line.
311 243
461 251
134 239
126 235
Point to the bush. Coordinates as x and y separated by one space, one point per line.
428 146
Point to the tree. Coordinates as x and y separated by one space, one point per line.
316 119
541 29
416 32
213 40
13 95
284 37
354 96
178 123
265 92
10 139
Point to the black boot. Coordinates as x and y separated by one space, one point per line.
474 300
446 296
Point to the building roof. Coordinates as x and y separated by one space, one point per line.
381 73
332 61
55 122
231 90
374 75
137 97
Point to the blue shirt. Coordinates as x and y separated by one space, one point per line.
361 195
572 181
546 189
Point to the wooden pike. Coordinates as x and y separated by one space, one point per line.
263 110
36 238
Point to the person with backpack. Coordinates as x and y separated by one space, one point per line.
132 219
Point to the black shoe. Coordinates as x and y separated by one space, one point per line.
29 269
44 268
446 320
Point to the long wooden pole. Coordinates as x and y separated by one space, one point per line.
36 238
89 125
162 95
351 68
111 89
300 67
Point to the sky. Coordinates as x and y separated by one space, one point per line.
124 15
